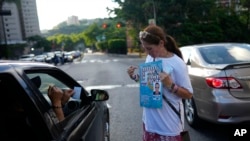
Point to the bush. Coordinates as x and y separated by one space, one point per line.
102 46
117 46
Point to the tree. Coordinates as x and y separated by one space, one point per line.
91 33
39 42
245 17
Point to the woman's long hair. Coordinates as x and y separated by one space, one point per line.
156 34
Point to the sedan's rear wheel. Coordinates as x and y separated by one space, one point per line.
191 113
107 134
107 130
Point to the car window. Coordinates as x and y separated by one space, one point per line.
46 80
225 54
42 79
186 52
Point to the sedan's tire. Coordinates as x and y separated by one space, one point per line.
191 113
107 135
107 127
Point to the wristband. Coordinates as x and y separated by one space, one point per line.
170 88
135 77
175 89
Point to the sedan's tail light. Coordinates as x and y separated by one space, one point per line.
223 83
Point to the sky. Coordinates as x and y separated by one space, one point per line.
53 12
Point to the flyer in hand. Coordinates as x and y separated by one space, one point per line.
150 84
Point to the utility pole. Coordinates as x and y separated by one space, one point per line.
3 13
154 11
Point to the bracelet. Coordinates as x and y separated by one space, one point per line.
56 107
175 89
171 87
135 77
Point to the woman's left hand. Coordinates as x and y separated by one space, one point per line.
166 79
66 95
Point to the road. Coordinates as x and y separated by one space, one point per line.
109 72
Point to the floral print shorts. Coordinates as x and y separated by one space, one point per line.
147 136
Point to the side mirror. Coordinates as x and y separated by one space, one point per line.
99 95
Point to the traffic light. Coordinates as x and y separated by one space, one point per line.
104 25
118 25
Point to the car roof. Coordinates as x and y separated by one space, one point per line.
214 44
22 64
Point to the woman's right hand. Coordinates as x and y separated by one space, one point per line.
131 71
55 94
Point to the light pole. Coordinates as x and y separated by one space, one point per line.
154 11
4 47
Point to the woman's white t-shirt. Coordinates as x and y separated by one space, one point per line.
165 121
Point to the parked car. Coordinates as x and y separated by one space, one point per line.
220 76
27 112
27 57
49 58
76 54
68 57
88 50
40 58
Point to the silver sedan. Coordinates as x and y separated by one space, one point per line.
220 76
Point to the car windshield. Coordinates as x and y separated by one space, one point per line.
225 54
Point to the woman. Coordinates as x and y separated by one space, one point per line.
163 124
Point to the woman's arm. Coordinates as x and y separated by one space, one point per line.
58 98
179 91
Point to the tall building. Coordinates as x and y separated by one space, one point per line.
30 18
73 20
22 23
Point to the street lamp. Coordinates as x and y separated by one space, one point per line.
154 11
5 12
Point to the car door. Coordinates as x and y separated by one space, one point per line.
84 118
20 118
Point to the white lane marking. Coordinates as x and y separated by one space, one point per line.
106 87
99 61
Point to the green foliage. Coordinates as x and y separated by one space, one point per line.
11 51
117 46
93 34
63 29
102 46
39 42
189 21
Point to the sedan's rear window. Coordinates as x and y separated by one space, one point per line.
227 54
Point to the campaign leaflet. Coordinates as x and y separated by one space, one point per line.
150 84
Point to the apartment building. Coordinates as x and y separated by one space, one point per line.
22 23
73 20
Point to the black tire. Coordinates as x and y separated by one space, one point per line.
107 128
190 113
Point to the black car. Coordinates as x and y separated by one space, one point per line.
26 112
